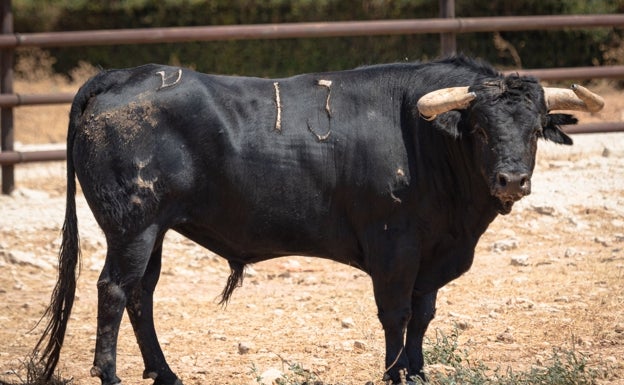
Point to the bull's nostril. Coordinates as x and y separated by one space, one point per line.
513 184
503 179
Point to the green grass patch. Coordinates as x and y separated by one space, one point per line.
452 365
448 364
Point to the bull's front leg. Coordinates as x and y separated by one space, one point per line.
393 283
423 311
394 311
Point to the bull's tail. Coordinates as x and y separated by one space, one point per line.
48 348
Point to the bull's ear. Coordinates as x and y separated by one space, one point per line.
553 132
448 122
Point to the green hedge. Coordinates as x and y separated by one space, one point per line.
276 58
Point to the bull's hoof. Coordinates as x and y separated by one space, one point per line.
403 380
176 382
97 372
162 380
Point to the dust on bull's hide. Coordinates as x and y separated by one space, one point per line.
124 122
142 182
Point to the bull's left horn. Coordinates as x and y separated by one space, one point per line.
577 98
443 100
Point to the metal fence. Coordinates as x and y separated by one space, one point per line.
446 27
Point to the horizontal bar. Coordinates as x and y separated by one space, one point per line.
14 157
14 100
308 30
594 128
558 74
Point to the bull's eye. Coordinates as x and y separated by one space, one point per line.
480 132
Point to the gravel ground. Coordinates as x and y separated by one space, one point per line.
545 275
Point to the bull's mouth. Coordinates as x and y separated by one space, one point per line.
505 206
508 188
505 202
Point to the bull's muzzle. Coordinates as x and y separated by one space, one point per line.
509 187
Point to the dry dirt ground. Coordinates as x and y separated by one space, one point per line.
548 276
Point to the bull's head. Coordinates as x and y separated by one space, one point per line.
503 120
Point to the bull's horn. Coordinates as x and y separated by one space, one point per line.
577 98
443 100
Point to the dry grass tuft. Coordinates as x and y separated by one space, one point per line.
31 372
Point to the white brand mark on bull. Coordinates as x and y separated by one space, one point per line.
278 119
326 83
164 79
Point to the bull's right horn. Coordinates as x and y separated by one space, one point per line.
443 100
577 98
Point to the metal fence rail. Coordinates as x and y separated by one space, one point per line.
9 41
308 30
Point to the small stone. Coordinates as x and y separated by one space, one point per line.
520 280
359 345
250 271
303 297
32 194
505 337
601 241
611 359
347 323
270 376
520 260
571 252
561 164
244 347
24 258
292 265
504 245
544 210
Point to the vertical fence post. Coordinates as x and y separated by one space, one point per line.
6 87
448 42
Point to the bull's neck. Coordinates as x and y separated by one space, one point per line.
447 167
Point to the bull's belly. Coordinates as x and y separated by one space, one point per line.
251 245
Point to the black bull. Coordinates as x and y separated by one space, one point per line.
341 165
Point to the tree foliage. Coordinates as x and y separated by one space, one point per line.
283 57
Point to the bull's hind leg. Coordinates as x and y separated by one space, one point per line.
126 263
140 309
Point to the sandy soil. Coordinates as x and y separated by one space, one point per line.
548 276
